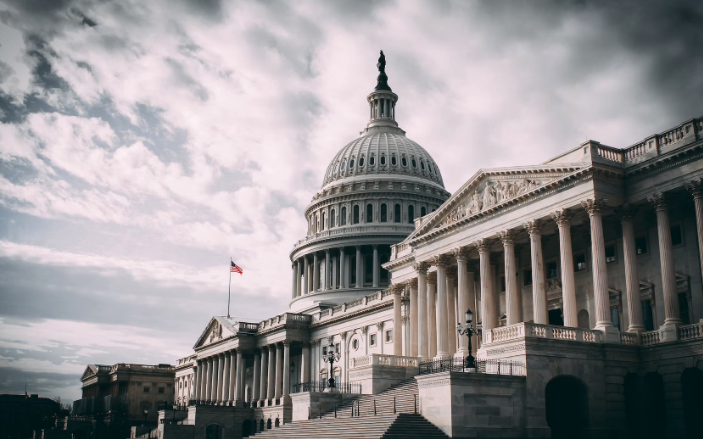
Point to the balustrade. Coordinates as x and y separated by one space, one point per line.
650 338
628 338
688 332
526 329
384 360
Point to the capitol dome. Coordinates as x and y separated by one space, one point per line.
383 153
374 192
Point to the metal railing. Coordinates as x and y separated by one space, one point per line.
320 386
495 367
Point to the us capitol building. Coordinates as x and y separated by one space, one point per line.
583 274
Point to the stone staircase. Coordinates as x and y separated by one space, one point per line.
390 414
404 425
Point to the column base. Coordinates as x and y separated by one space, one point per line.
669 332
442 356
609 333
238 403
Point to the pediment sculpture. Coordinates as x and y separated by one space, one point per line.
490 193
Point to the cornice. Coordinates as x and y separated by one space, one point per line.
668 160
371 310
347 197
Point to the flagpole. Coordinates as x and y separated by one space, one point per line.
229 290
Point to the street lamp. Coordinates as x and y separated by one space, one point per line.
331 356
468 329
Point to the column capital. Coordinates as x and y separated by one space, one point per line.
594 206
483 245
460 253
413 282
440 260
327 251
626 212
421 266
533 227
695 187
379 325
562 217
343 335
358 247
286 343
659 201
397 288
507 236
432 277
451 272
374 246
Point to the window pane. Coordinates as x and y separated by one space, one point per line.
384 213
615 316
411 214
369 213
396 213
647 315
683 309
356 215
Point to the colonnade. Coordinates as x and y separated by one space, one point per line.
437 303
333 271
220 379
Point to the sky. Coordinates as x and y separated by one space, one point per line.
143 144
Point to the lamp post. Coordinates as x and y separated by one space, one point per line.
331 356
468 329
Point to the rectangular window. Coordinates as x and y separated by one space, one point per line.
647 315
580 262
161 390
615 316
324 350
337 349
527 277
683 309
552 270
676 235
389 336
372 339
146 389
609 254
641 245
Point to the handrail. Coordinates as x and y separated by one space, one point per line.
455 364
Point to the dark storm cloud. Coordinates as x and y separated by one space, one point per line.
13 380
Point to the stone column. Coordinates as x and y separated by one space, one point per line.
284 369
208 379
300 275
271 386
306 275
422 346
198 380
257 377
539 292
239 386
442 342
220 377
335 269
315 272
513 307
413 318
359 268
264 376
232 376
432 314
600 271
328 264
632 280
225 374
305 369
462 298
216 378
294 293
397 290
472 302
279 370
376 267
672 314
696 189
451 310
489 313
568 285
343 282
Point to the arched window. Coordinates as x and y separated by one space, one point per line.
423 211
384 213
414 163
361 161
356 214
567 407
322 223
343 217
383 159
372 160
396 213
411 213
369 213
332 219
692 386
404 161
422 165
351 163
213 431
393 161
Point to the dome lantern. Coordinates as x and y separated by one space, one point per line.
382 100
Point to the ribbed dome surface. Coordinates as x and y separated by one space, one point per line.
382 153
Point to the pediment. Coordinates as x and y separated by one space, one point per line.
217 329
492 189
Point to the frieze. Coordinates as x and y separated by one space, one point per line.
438 383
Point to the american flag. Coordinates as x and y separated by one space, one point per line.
235 268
